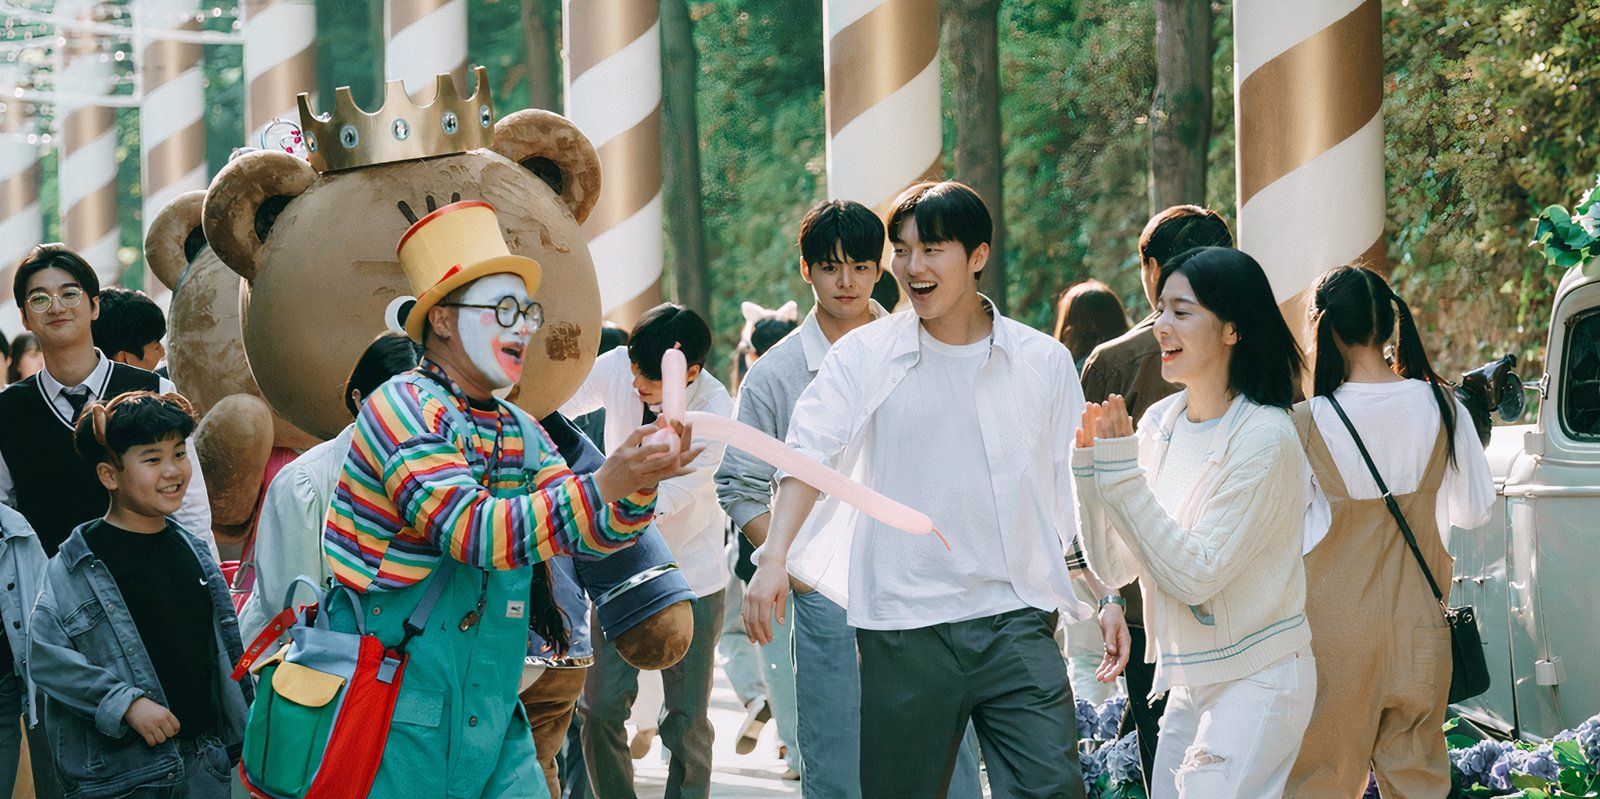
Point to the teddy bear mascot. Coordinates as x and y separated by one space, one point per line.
240 439
313 240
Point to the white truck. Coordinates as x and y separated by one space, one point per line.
1532 572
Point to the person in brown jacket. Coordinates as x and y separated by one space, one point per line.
1130 365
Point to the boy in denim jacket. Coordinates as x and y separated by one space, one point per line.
134 635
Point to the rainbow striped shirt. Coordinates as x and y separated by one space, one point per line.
408 494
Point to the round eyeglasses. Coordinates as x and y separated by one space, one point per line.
507 312
39 301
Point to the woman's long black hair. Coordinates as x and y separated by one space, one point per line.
1357 305
1266 362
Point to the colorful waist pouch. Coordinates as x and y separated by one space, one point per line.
324 700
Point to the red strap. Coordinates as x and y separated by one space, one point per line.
275 630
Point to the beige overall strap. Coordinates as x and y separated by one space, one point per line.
1322 464
1433 478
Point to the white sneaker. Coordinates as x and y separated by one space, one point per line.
756 716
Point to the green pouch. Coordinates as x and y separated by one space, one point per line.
289 725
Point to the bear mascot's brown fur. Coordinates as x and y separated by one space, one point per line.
205 355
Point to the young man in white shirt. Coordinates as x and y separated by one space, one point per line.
968 416
626 382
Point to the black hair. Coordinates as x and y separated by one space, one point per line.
1355 305
106 431
129 321
1088 314
388 355
1266 362
768 332
943 211
53 255
836 231
611 337
5 347
660 329
20 347
1181 228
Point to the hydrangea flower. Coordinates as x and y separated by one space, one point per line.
1088 720
1110 717
1122 760
1476 763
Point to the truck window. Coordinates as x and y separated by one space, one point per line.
1580 404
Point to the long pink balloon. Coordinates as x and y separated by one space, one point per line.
674 378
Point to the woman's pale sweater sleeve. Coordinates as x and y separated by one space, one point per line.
1260 496
1109 558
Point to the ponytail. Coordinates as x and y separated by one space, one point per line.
1357 306
1411 361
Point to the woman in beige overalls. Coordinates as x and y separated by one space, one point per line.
1379 638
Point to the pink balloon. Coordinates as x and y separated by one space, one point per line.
758 444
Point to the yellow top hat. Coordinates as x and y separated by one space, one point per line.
452 247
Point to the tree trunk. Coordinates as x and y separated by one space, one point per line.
971 42
1180 112
543 49
680 158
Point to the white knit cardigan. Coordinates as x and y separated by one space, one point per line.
1223 582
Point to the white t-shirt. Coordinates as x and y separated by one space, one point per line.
1184 464
928 453
1399 422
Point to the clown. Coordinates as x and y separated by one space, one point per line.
446 482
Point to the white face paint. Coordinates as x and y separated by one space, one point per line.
496 351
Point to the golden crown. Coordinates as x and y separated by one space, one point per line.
400 130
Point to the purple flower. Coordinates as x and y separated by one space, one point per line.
1110 716
1088 720
1372 787
1122 760
1476 762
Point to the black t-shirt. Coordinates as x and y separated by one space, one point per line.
165 591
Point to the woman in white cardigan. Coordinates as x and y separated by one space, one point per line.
1205 506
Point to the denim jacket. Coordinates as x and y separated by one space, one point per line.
22 563
88 659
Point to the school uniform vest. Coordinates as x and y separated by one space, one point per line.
55 490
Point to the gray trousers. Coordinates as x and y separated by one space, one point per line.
685 728
1004 673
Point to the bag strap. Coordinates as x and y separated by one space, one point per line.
1388 499
417 622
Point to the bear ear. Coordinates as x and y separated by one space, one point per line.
751 311
551 147
789 312
175 238
244 201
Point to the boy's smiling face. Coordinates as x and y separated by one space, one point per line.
152 478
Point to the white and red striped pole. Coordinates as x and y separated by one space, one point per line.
280 61
172 125
613 94
882 97
88 152
423 39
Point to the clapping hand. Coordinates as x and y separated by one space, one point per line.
1108 420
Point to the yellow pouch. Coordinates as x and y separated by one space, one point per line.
304 686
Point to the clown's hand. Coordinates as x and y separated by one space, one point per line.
638 465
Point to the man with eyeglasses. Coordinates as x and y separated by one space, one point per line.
41 475
627 383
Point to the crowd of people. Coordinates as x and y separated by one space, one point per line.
1211 536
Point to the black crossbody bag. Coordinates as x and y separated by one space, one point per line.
1469 671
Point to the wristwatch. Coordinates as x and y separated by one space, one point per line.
1113 599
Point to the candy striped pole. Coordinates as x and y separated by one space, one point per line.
172 125
882 97
88 155
1308 103
21 224
613 93
423 39
280 61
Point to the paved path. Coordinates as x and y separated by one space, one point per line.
757 775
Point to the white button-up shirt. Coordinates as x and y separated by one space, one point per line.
194 514
687 512
1029 404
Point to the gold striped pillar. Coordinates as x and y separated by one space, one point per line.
1308 115
21 224
882 97
423 39
172 125
613 93
88 154
280 61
